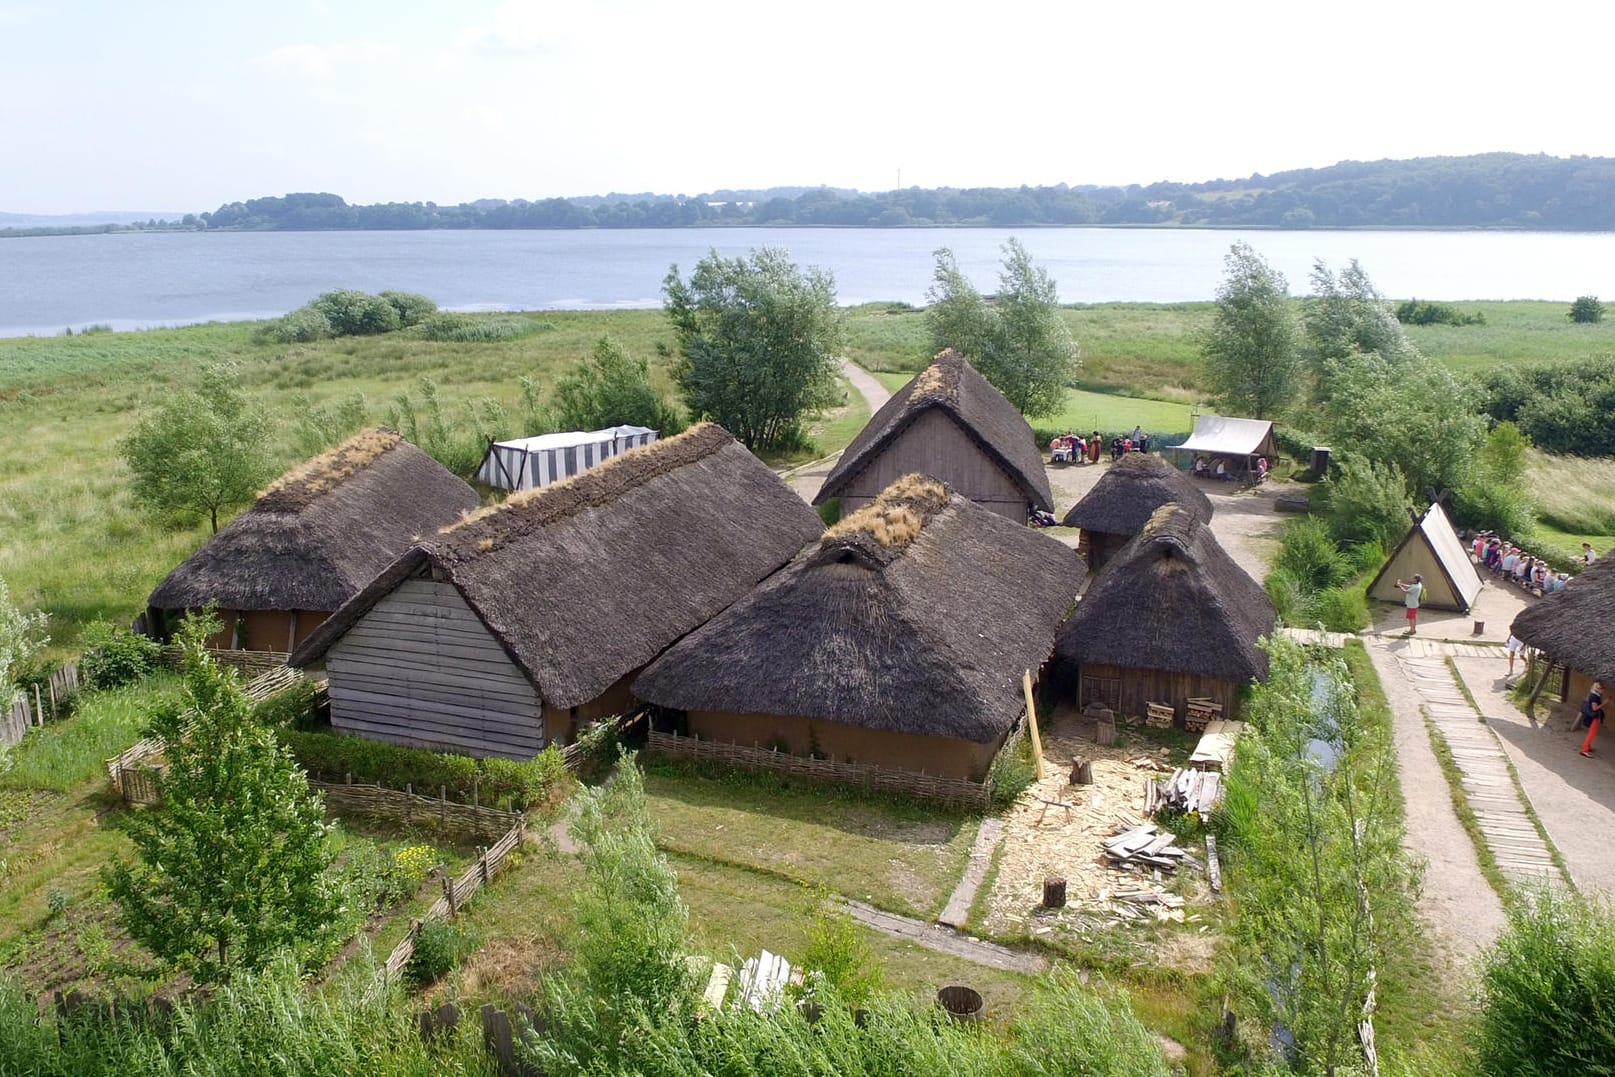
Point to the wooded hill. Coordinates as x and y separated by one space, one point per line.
1493 190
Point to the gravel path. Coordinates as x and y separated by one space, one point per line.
807 479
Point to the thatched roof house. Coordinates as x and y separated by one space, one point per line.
1124 499
950 424
1172 618
1572 627
510 628
899 639
316 536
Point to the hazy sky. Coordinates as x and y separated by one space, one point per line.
175 106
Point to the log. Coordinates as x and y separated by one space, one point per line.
1081 771
1054 893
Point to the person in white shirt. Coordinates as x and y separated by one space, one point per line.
1414 592
1587 555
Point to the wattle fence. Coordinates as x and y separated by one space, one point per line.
38 703
456 892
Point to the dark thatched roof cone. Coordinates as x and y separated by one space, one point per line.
584 581
916 614
952 385
1574 626
322 531
1172 600
1127 495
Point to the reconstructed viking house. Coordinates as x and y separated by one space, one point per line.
1573 628
316 536
950 424
509 629
1171 618
1124 499
898 640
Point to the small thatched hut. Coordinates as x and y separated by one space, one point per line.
510 628
898 640
1172 618
1124 499
316 536
1572 627
950 424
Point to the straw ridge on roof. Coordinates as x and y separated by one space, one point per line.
322 531
1573 625
953 385
928 637
584 582
1172 600
1130 490
323 473
527 510
885 527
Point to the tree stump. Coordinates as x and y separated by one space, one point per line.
1081 771
1054 893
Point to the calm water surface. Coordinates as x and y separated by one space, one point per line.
133 281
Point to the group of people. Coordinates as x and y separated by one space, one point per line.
1204 469
1069 448
1508 562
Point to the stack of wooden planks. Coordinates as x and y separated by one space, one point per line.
1200 712
1198 791
1143 847
1216 748
1160 715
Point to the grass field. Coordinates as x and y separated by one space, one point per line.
1085 411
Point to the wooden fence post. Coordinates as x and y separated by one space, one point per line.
39 710
442 804
476 784
448 892
482 862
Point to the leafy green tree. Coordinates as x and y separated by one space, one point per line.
1586 310
1018 341
1346 315
1252 348
353 313
1368 501
758 339
231 864
412 307
611 388
201 451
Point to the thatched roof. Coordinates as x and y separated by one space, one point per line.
1172 600
916 614
322 531
952 385
1573 625
586 580
1127 495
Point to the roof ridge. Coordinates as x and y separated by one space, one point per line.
939 382
884 529
305 483
529 510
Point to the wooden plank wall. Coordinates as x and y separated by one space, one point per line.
421 669
1126 691
935 445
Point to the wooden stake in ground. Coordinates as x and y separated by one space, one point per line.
1031 725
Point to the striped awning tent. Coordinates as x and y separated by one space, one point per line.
526 463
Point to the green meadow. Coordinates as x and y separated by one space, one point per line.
74 544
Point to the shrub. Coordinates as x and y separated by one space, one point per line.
1547 988
1586 310
1309 555
1340 609
838 956
524 784
439 948
1288 598
301 326
291 708
412 307
1423 312
478 329
1366 502
354 313
114 657
1011 774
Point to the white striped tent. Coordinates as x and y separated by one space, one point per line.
526 463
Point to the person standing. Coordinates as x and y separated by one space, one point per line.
1516 649
1592 716
1414 591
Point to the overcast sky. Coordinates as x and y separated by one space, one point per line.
178 106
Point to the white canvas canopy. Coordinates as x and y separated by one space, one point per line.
1432 550
1220 435
526 463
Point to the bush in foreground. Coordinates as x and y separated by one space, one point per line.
1548 990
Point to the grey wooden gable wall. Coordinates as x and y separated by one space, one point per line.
421 669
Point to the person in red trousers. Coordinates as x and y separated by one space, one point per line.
1592 716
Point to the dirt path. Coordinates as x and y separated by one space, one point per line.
1574 797
981 856
807 479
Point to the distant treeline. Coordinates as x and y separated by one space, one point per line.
1495 190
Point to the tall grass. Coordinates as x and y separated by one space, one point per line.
64 755
1573 494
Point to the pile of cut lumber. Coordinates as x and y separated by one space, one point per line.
1198 791
1159 716
1200 712
1143 847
